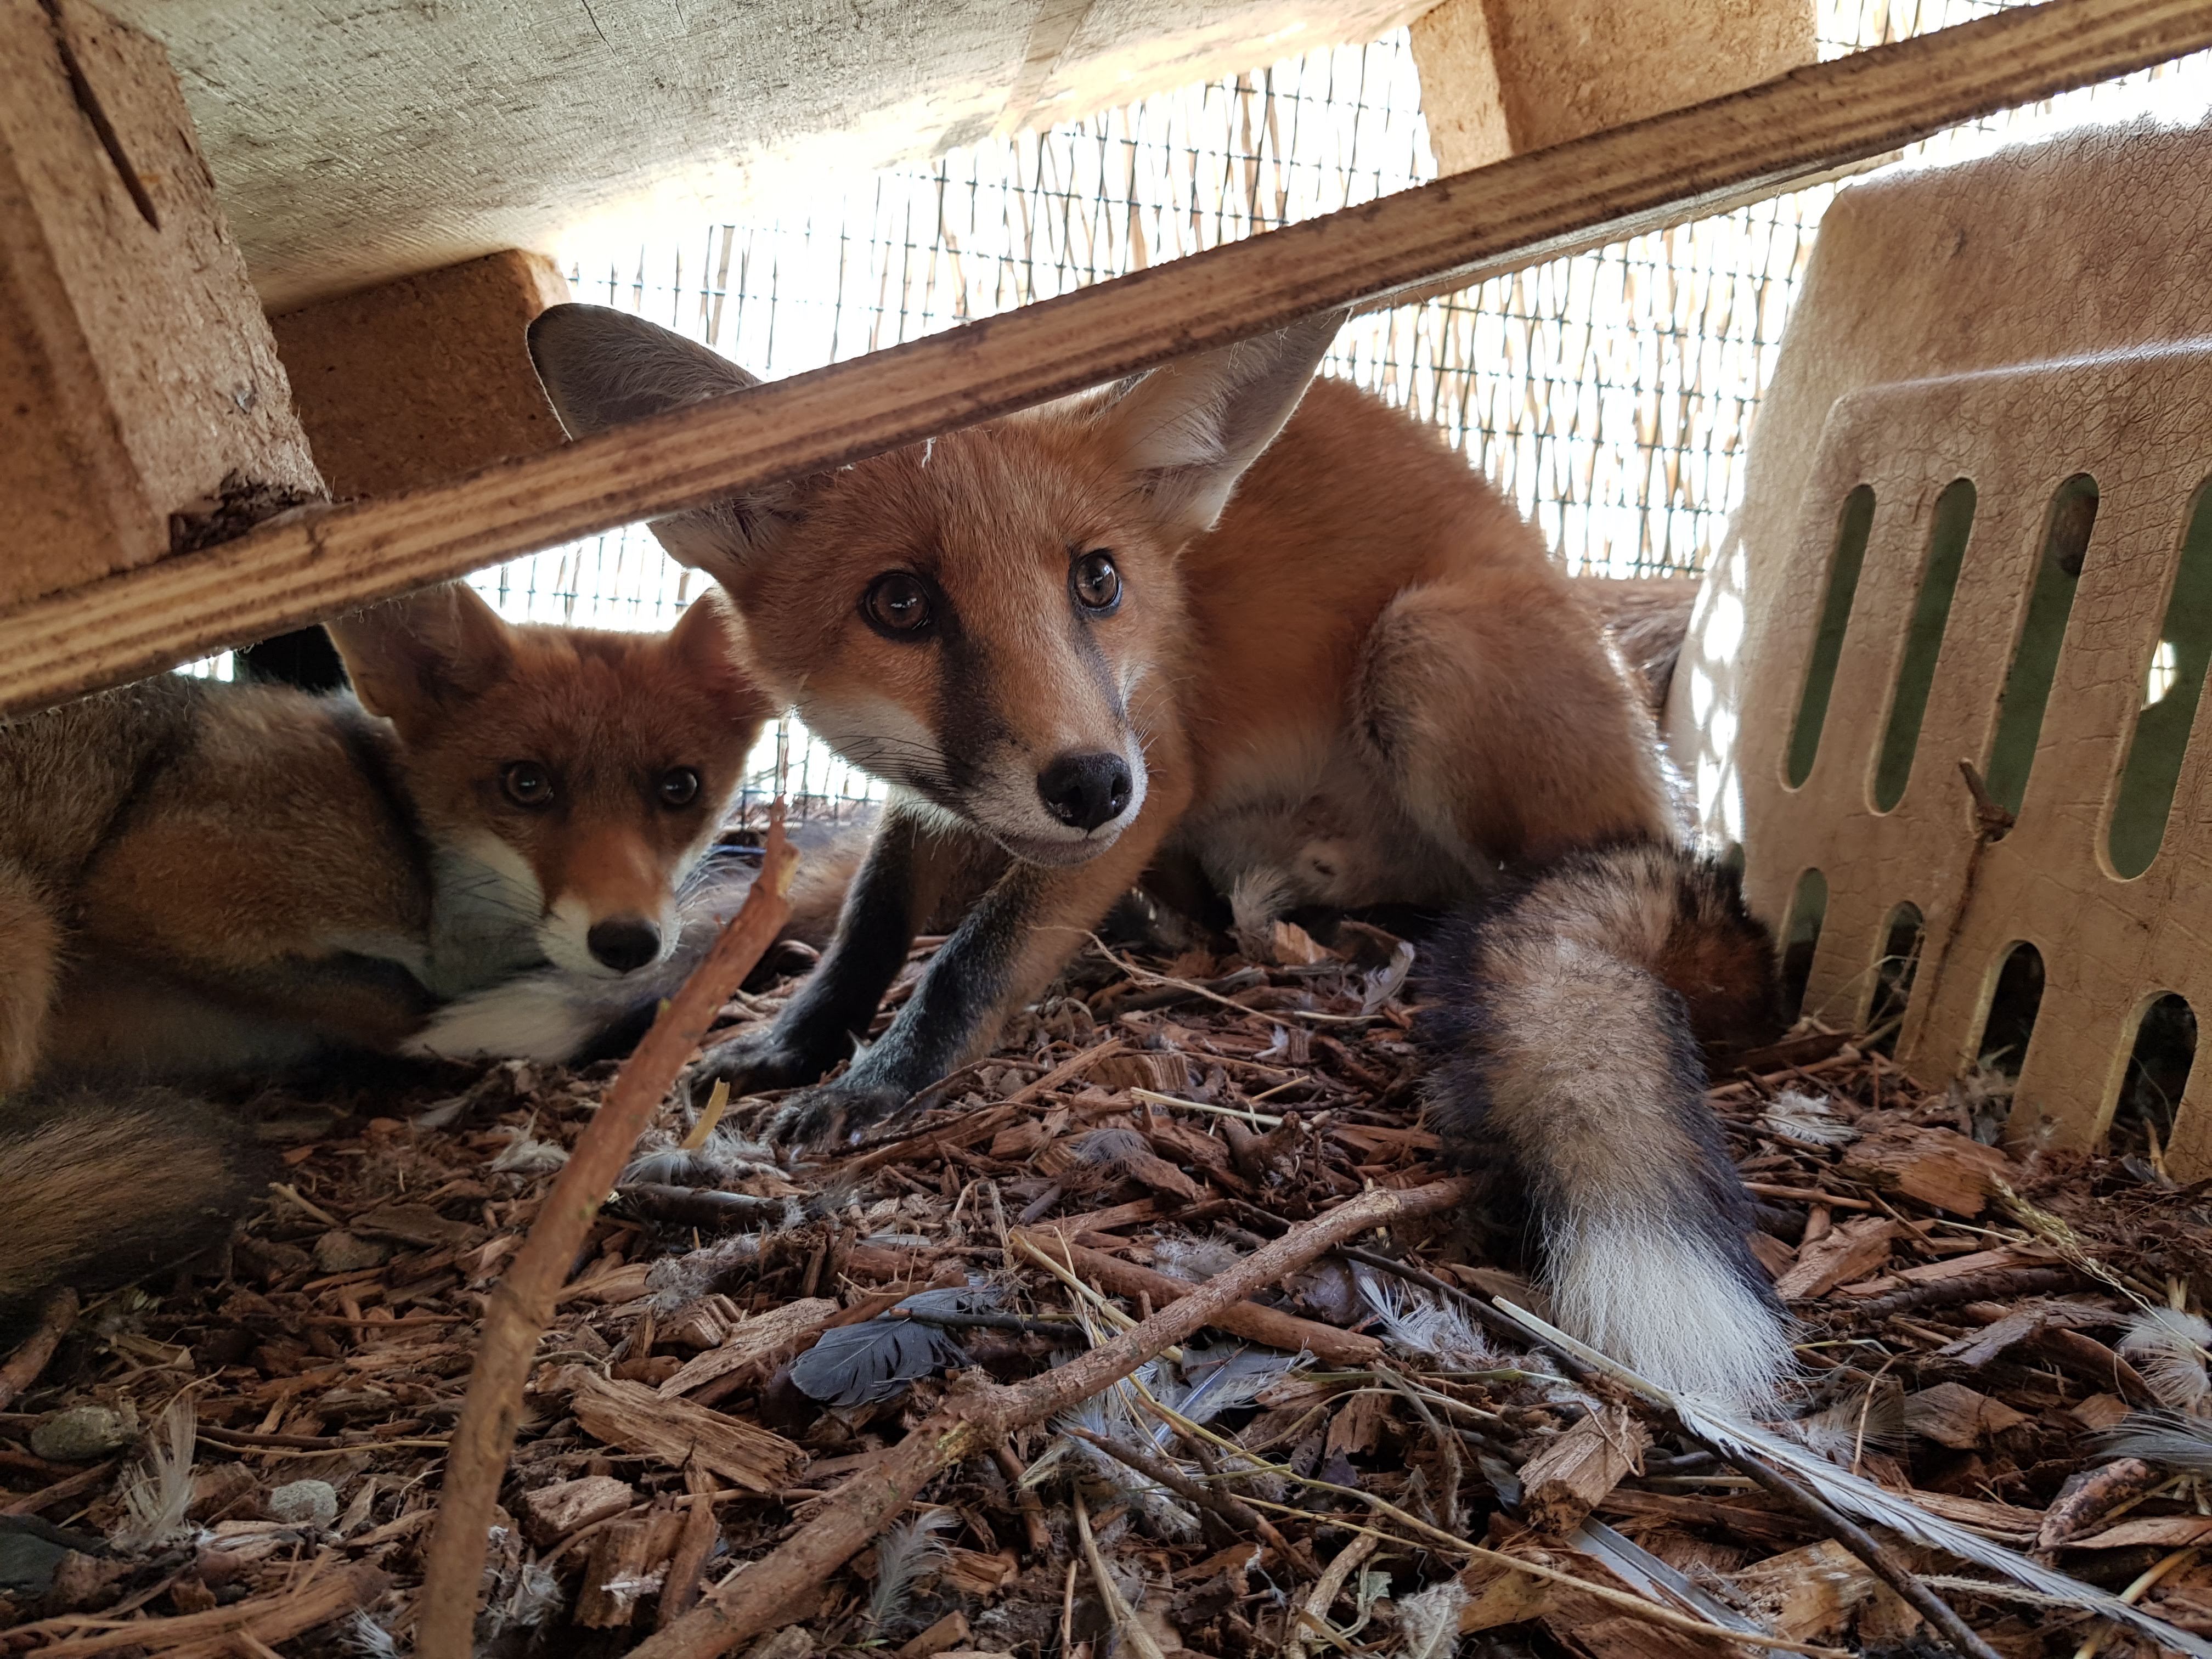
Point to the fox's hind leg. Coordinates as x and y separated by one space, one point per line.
1501 721
30 969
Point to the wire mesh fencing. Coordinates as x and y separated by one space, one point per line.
1612 394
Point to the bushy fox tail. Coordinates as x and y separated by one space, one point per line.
1566 1049
97 1190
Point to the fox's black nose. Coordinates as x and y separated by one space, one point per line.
1086 790
625 943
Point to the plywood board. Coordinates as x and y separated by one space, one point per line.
139 369
424 378
358 143
1502 77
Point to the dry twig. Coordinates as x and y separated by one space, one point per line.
519 1309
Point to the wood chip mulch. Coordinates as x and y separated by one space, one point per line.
247 1460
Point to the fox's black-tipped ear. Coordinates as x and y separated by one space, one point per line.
604 367
412 659
1188 430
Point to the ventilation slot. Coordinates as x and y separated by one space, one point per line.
1923 642
2035 659
1852 526
1801 937
2013 1001
1893 971
2158 1072
2173 682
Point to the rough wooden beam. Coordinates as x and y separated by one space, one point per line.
1478 224
1499 77
137 370
422 379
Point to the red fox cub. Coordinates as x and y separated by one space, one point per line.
480 850
1208 624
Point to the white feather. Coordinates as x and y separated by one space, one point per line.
367 1639
1428 1622
1423 1322
159 1490
526 1155
1860 1499
2169 1347
1808 1117
722 1160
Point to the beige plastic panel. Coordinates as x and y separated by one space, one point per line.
2134 421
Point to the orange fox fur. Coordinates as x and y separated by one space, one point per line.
195 874
1217 632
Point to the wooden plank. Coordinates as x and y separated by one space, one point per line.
140 373
422 379
1470 227
1502 77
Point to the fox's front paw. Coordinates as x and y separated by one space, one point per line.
831 1115
758 1060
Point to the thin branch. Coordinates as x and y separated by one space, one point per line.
519 1309
56 1314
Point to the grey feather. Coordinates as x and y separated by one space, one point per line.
1628 1560
2172 1440
879 1359
1861 1500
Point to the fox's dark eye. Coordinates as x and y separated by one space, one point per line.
897 603
527 784
678 787
1098 583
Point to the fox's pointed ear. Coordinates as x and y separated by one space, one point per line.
709 643
1187 431
416 658
604 367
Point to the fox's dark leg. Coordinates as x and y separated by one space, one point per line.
1010 947
907 869
29 970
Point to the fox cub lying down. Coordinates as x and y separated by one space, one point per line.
1210 629
492 845
201 875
